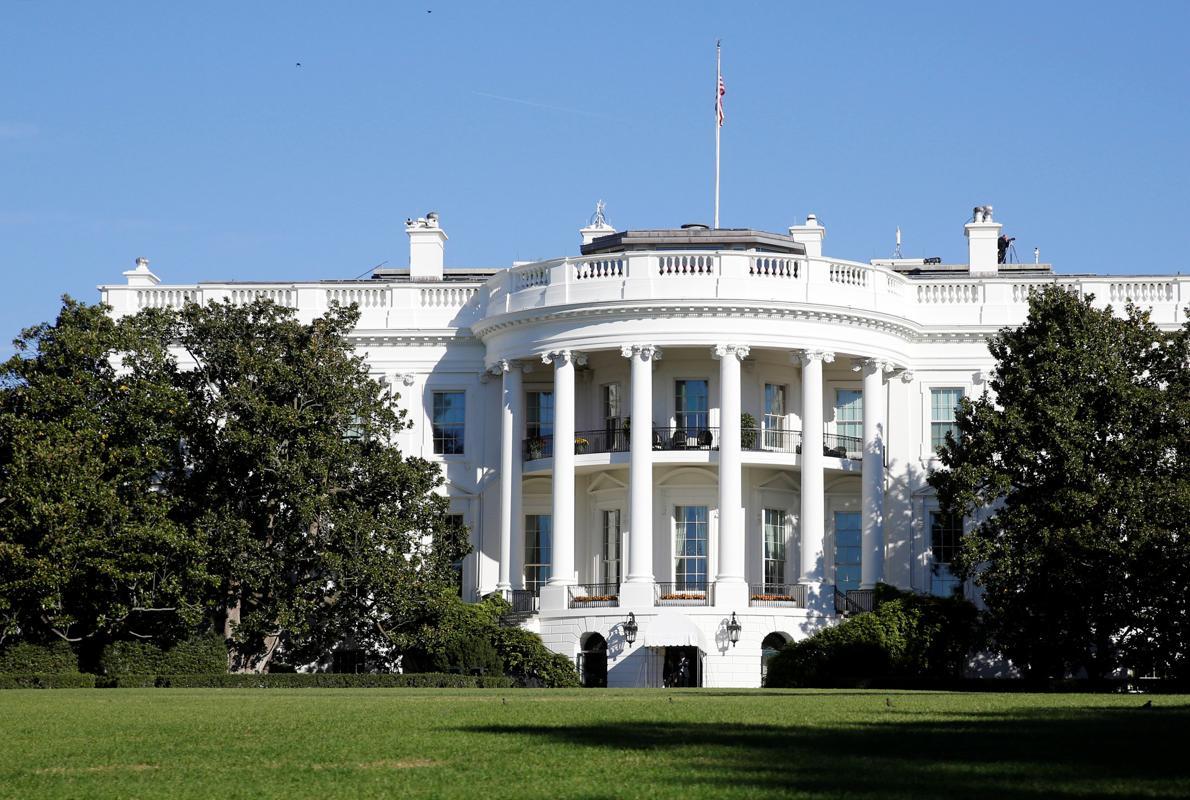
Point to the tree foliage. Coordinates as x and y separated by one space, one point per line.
222 461
1075 466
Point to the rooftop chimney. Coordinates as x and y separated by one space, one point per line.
982 235
811 235
597 226
427 244
141 275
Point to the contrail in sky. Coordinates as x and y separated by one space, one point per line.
539 105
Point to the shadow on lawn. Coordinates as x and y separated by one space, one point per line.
1076 753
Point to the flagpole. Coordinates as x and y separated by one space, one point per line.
718 124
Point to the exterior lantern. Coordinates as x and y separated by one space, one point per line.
630 629
733 630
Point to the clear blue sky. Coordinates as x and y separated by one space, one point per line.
186 133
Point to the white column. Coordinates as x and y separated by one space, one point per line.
730 588
638 589
510 462
517 530
813 519
562 561
872 476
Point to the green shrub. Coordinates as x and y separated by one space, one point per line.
25 658
204 654
47 680
333 680
530 663
906 636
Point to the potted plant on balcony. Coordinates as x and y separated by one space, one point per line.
580 445
536 448
747 431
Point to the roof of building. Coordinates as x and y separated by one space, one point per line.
695 237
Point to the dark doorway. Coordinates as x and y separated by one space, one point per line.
594 662
682 668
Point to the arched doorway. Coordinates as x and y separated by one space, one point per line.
771 645
593 661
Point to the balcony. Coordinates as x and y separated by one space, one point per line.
682 593
692 438
777 595
854 601
594 595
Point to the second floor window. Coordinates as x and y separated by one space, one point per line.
943 404
448 422
774 415
691 406
849 413
539 414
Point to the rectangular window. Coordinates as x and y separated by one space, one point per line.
539 414
946 531
943 403
611 546
613 421
774 416
774 549
539 529
448 422
692 407
690 547
849 413
847 547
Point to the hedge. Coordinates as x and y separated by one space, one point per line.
25 659
47 680
318 680
205 654
907 636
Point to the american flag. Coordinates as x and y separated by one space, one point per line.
719 100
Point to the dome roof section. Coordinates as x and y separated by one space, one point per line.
695 237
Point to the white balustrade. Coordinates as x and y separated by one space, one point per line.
949 293
587 269
364 297
1141 291
848 274
687 264
446 296
165 298
281 296
773 266
530 276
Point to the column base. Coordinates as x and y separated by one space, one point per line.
554 597
637 594
731 594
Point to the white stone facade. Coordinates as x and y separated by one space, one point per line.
841 365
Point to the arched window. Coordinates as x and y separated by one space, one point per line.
592 665
771 645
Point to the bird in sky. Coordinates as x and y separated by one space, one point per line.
298 64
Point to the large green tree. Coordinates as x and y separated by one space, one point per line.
323 534
93 544
1075 466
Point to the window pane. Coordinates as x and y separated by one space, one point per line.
539 414
538 546
690 547
691 406
774 546
849 412
943 403
847 550
447 422
611 546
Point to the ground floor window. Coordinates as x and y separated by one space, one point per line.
847 550
690 547
946 530
774 548
592 661
771 645
539 537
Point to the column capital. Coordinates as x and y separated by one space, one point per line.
564 357
867 366
804 357
645 352
907 376
740 351
406 378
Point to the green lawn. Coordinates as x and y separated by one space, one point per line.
593 744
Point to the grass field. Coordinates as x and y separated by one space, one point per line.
590 744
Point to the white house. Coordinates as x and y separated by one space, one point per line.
678 429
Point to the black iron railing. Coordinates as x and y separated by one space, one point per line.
854 601
595 595
777 595
772 440
842 446
683 593
606 440
686 438
524 601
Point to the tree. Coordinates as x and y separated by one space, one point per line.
1075 466
92 544
323 534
